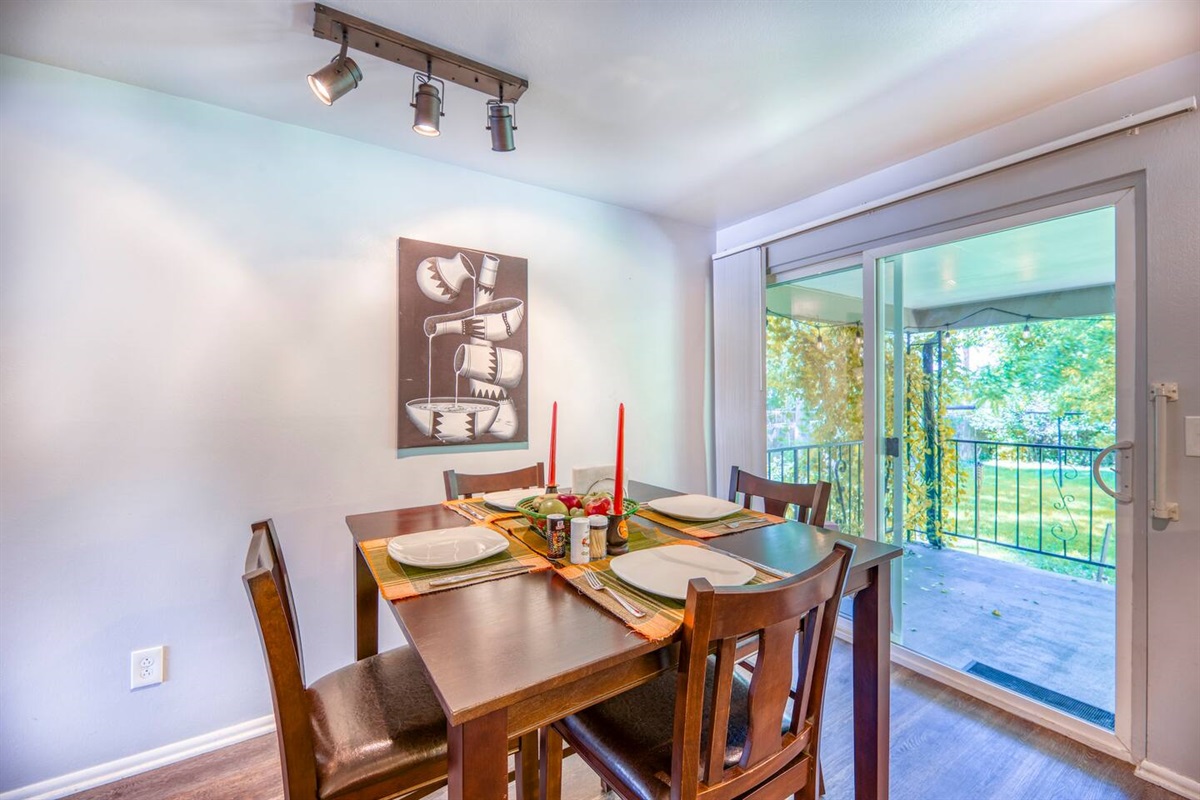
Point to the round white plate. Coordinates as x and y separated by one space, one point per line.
508 499
666 570
446 547
694 507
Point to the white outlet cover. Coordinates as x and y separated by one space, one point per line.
147 667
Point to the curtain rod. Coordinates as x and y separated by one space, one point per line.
1126 123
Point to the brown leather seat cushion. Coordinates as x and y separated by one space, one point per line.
376 719
632 734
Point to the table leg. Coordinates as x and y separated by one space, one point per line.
366 608
478 756
872 675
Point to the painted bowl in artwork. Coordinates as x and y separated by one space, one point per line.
452 421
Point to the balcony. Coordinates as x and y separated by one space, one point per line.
1016 583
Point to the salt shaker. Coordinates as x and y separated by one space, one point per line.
580 540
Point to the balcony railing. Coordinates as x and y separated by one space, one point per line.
1033 498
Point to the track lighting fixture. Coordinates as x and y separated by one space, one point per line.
427 100
502 121
337 77
432 66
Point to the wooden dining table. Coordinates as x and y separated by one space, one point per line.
509 656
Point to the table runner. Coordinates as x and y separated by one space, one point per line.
477 511
663 617
398 581
743 520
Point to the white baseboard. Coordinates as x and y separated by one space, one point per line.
1161 776
141 762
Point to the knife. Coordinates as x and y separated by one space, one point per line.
472 512
481 574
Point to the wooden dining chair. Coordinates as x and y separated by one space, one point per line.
373 729
810 499
705 731
460 485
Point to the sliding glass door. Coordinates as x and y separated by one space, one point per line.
994 382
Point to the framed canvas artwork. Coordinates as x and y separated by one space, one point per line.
463 346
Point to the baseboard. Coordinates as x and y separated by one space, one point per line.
1161 776
101 774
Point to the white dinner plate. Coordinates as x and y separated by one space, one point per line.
694 507
507 500
446 547
666 570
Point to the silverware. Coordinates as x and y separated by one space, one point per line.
595 583
778 573
481 574
734 525
472 512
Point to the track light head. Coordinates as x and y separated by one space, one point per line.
336 78
502 122
427 101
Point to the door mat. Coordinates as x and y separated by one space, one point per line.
1076 708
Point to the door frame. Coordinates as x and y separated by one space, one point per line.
1127 740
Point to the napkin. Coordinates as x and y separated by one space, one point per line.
596 479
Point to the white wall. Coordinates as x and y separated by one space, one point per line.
1169 153
198 315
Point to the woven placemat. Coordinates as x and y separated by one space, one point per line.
477 511
398 581
663 617
744 520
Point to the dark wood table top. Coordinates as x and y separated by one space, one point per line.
492 645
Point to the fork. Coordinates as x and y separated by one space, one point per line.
595 583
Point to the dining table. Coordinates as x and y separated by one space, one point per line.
506 657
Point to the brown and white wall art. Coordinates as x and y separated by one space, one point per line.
463 349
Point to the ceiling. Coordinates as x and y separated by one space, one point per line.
1056 255
707 112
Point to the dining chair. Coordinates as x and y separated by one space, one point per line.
810 499
704 730
460 485
372 729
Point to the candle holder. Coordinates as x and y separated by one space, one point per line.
618 531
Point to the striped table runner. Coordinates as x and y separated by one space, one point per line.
743 520
477 511
401 581
664 616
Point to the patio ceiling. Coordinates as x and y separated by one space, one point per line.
1013 268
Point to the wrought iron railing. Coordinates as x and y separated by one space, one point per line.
1034 498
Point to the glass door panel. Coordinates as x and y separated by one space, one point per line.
998 389
814 345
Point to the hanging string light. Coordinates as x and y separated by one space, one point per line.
858 335
1025 332
820 340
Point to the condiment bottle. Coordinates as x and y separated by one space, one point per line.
598 533
556 535
580 540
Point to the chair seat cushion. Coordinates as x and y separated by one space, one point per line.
376 720
632 734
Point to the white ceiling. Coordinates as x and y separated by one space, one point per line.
709 112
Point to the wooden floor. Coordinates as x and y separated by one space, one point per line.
945 746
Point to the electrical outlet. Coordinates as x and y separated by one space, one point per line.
147 667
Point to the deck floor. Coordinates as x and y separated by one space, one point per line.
1056 631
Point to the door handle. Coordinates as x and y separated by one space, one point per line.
1123 496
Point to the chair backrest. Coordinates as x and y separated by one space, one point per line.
810 499
460 485
786 678
279 568
265 581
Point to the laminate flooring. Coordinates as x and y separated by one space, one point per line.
945 746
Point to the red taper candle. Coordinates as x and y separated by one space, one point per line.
553 441
619 475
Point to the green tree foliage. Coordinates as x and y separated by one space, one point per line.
1026 382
